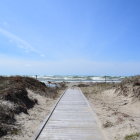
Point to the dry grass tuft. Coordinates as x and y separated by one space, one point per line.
134 136
14 99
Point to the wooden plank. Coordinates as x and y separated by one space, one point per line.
72 119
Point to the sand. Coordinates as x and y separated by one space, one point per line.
30 123
119 116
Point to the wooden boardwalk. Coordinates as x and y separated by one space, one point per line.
72 119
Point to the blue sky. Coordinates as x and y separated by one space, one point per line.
66 37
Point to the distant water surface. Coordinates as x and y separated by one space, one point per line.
56 79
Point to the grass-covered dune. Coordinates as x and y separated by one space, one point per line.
117 106
130 87
14 99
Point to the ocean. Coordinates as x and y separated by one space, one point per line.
58 78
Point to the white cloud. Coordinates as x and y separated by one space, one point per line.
19 66
20 43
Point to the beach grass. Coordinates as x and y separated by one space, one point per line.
133 136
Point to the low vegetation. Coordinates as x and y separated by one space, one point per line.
107 124
117 106
14 99
130 87
134 136
96 88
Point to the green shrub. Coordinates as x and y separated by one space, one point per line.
134 136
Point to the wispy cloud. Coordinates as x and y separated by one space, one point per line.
20 43
79 67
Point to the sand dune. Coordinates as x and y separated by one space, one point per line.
119 114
